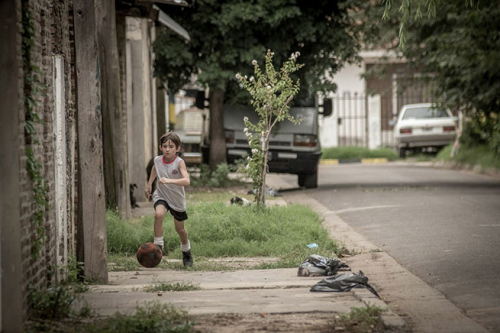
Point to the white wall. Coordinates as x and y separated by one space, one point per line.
348 81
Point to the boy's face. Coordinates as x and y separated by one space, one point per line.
169 149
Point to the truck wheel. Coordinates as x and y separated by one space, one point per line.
205 156
302 180
311 180
402 152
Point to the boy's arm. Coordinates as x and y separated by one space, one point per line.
152 178
184 181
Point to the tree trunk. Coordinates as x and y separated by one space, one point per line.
91 240
261 198
116 177
217 134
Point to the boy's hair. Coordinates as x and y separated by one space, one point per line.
172 137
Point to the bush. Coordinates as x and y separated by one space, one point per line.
218 178
55 303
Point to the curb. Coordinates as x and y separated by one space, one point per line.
349 238
353 160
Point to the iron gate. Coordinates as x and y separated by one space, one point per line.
352 120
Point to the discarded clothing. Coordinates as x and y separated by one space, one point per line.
318 265
344 282
240 201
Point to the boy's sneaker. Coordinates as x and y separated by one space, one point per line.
161 248
187 258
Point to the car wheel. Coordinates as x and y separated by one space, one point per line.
402 152
311 180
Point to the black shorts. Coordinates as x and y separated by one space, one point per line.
179 216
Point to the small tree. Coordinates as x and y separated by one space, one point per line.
271 92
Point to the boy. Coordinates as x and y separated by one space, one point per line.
169 194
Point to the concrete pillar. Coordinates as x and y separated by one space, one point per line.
11 90
374 122
139 104
60 167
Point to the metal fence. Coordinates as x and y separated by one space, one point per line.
351 112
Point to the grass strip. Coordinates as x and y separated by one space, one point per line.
482 156
348 153
217 230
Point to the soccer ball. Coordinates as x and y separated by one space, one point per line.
149 255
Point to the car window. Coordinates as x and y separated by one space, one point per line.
424 112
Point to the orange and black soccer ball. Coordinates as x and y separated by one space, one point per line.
149 255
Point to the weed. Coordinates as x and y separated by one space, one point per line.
154 317
165 286
362 320
55 303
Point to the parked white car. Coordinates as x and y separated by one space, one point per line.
423 126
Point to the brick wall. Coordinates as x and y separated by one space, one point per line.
53 34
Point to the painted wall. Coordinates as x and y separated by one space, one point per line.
141 115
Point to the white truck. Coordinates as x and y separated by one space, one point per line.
293 149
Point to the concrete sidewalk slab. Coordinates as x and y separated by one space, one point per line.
242 279
296 300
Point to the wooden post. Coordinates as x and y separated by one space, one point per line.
91 241
115 151
11 92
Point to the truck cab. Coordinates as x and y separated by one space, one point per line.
293 149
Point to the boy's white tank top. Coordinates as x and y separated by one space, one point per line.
173 194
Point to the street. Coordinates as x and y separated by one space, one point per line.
441 225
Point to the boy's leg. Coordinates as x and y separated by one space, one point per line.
187 258
160 212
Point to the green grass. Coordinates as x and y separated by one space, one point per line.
480 155
165 286
220 230
358 152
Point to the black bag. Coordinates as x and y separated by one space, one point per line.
344 282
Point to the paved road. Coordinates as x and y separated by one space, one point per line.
442 225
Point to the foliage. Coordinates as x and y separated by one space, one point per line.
55 303
217 179
358 152
271 93
227 35
33 87
363 320
457 47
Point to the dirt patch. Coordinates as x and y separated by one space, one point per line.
293 322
